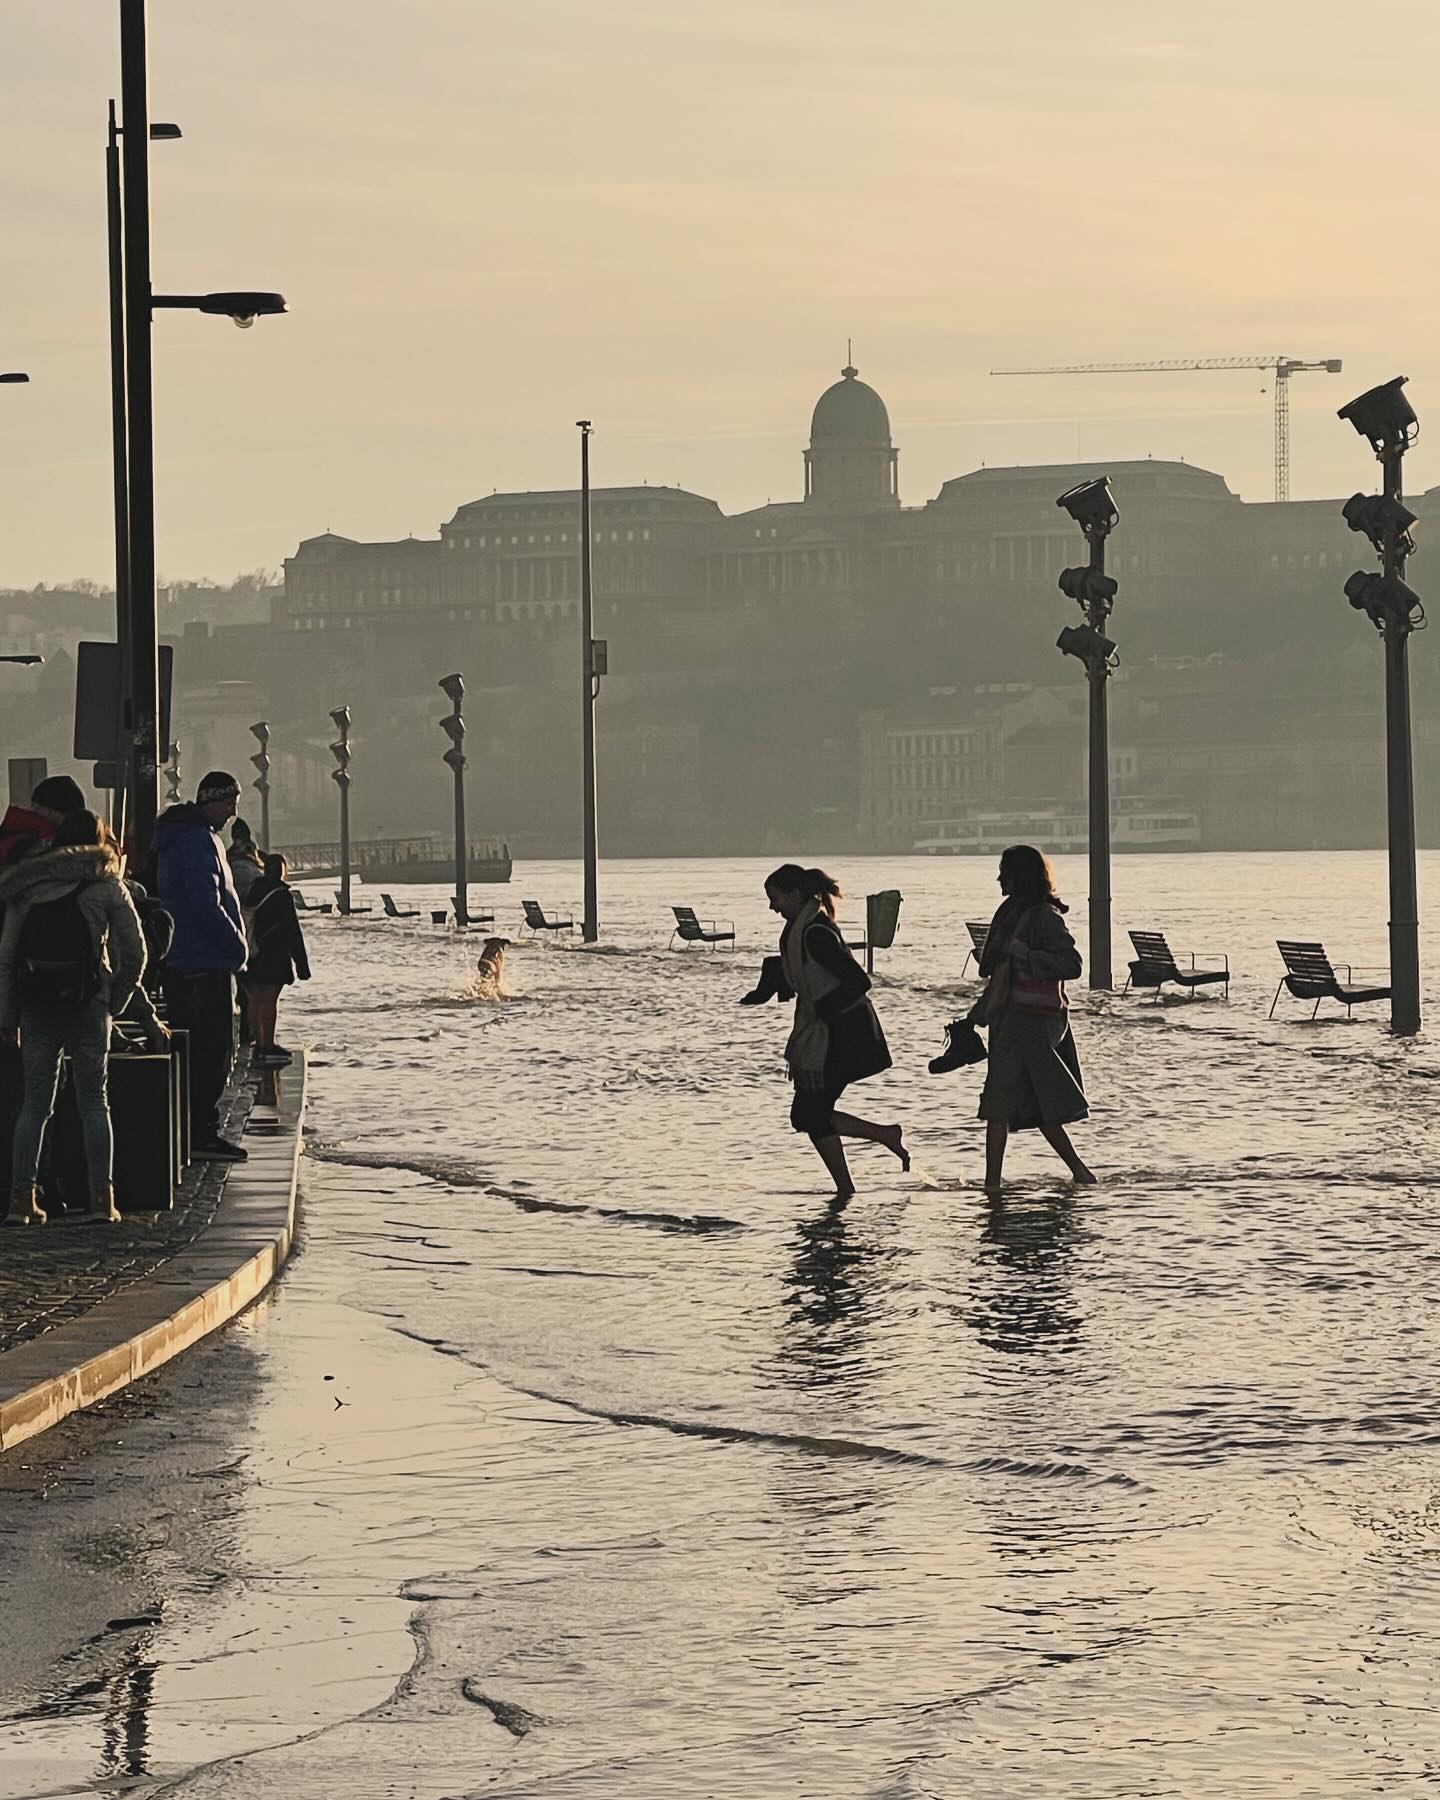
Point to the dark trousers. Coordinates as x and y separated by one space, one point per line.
204 1005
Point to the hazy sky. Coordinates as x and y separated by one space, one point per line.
492 217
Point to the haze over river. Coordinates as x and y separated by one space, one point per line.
653 1477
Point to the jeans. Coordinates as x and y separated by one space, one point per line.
204 1005
45 1036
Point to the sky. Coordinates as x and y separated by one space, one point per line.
493 217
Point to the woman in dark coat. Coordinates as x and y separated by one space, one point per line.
277 957
836 1038
1033 1077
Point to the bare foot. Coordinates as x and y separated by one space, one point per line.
1083 1176
894 1142
841 1195
995 1187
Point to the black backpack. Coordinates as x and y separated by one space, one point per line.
56 962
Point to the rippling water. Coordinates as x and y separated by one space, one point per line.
691 1487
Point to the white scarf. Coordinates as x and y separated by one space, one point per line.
810 1037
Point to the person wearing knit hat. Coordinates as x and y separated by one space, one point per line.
194 884
33 827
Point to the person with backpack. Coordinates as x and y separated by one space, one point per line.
194 884
277 957
71 955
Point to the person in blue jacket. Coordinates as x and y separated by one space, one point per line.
209 949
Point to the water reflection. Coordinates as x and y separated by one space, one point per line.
1023 1300
125 1733
827 1304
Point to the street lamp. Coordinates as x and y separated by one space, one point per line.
340 775
119 452
453 725
261 784
1092 506
594 654
140 304
1385 418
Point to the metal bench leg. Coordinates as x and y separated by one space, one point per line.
1276 1001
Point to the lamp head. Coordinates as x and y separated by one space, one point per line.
1380 518
243 307
1091 505
341 716
1084 642
453 687
13 377
1384 416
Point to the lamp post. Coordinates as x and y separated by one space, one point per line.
119 451
142 638
340 775
261 759
593 664
453 725
1092 506
1385 418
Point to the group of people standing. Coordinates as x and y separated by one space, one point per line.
1032 1078
79 938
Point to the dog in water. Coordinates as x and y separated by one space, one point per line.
491 965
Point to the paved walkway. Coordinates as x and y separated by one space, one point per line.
86 1309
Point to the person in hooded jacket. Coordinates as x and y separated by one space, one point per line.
194 884
277 957
82 863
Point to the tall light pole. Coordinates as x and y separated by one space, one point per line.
1385 418
1092 506
340 775
119 450
261 759
139 309
453 725
589 688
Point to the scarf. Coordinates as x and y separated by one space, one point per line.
809 1040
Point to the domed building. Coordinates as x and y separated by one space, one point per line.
851 460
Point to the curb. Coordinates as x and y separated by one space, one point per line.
228 1266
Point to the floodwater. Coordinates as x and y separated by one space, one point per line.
585 1451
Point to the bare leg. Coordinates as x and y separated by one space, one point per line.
891 1136
1058 1139
832 1153
997 1135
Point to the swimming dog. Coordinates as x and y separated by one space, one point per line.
491 965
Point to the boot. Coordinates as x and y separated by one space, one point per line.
24 1208
102 1207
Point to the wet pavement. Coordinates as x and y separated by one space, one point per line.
585 1451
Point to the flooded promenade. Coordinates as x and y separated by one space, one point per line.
584 1451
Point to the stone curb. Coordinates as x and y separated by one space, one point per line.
203 1286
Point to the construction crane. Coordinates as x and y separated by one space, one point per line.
1282 367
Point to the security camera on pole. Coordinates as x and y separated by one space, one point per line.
1385 418
453 726
1092 506
261 784
340 775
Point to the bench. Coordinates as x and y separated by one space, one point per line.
346 911
304 905
691 930
392 911
1156 964
1310 975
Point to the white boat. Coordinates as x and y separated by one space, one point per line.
1134 825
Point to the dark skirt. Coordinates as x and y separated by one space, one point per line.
857 1049
1033 1075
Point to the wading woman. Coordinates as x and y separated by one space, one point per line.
836 1037
1033 1076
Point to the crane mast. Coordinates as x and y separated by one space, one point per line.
1280 367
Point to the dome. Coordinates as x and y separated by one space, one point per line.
850 413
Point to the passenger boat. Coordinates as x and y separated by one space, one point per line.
383 862
1135 825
